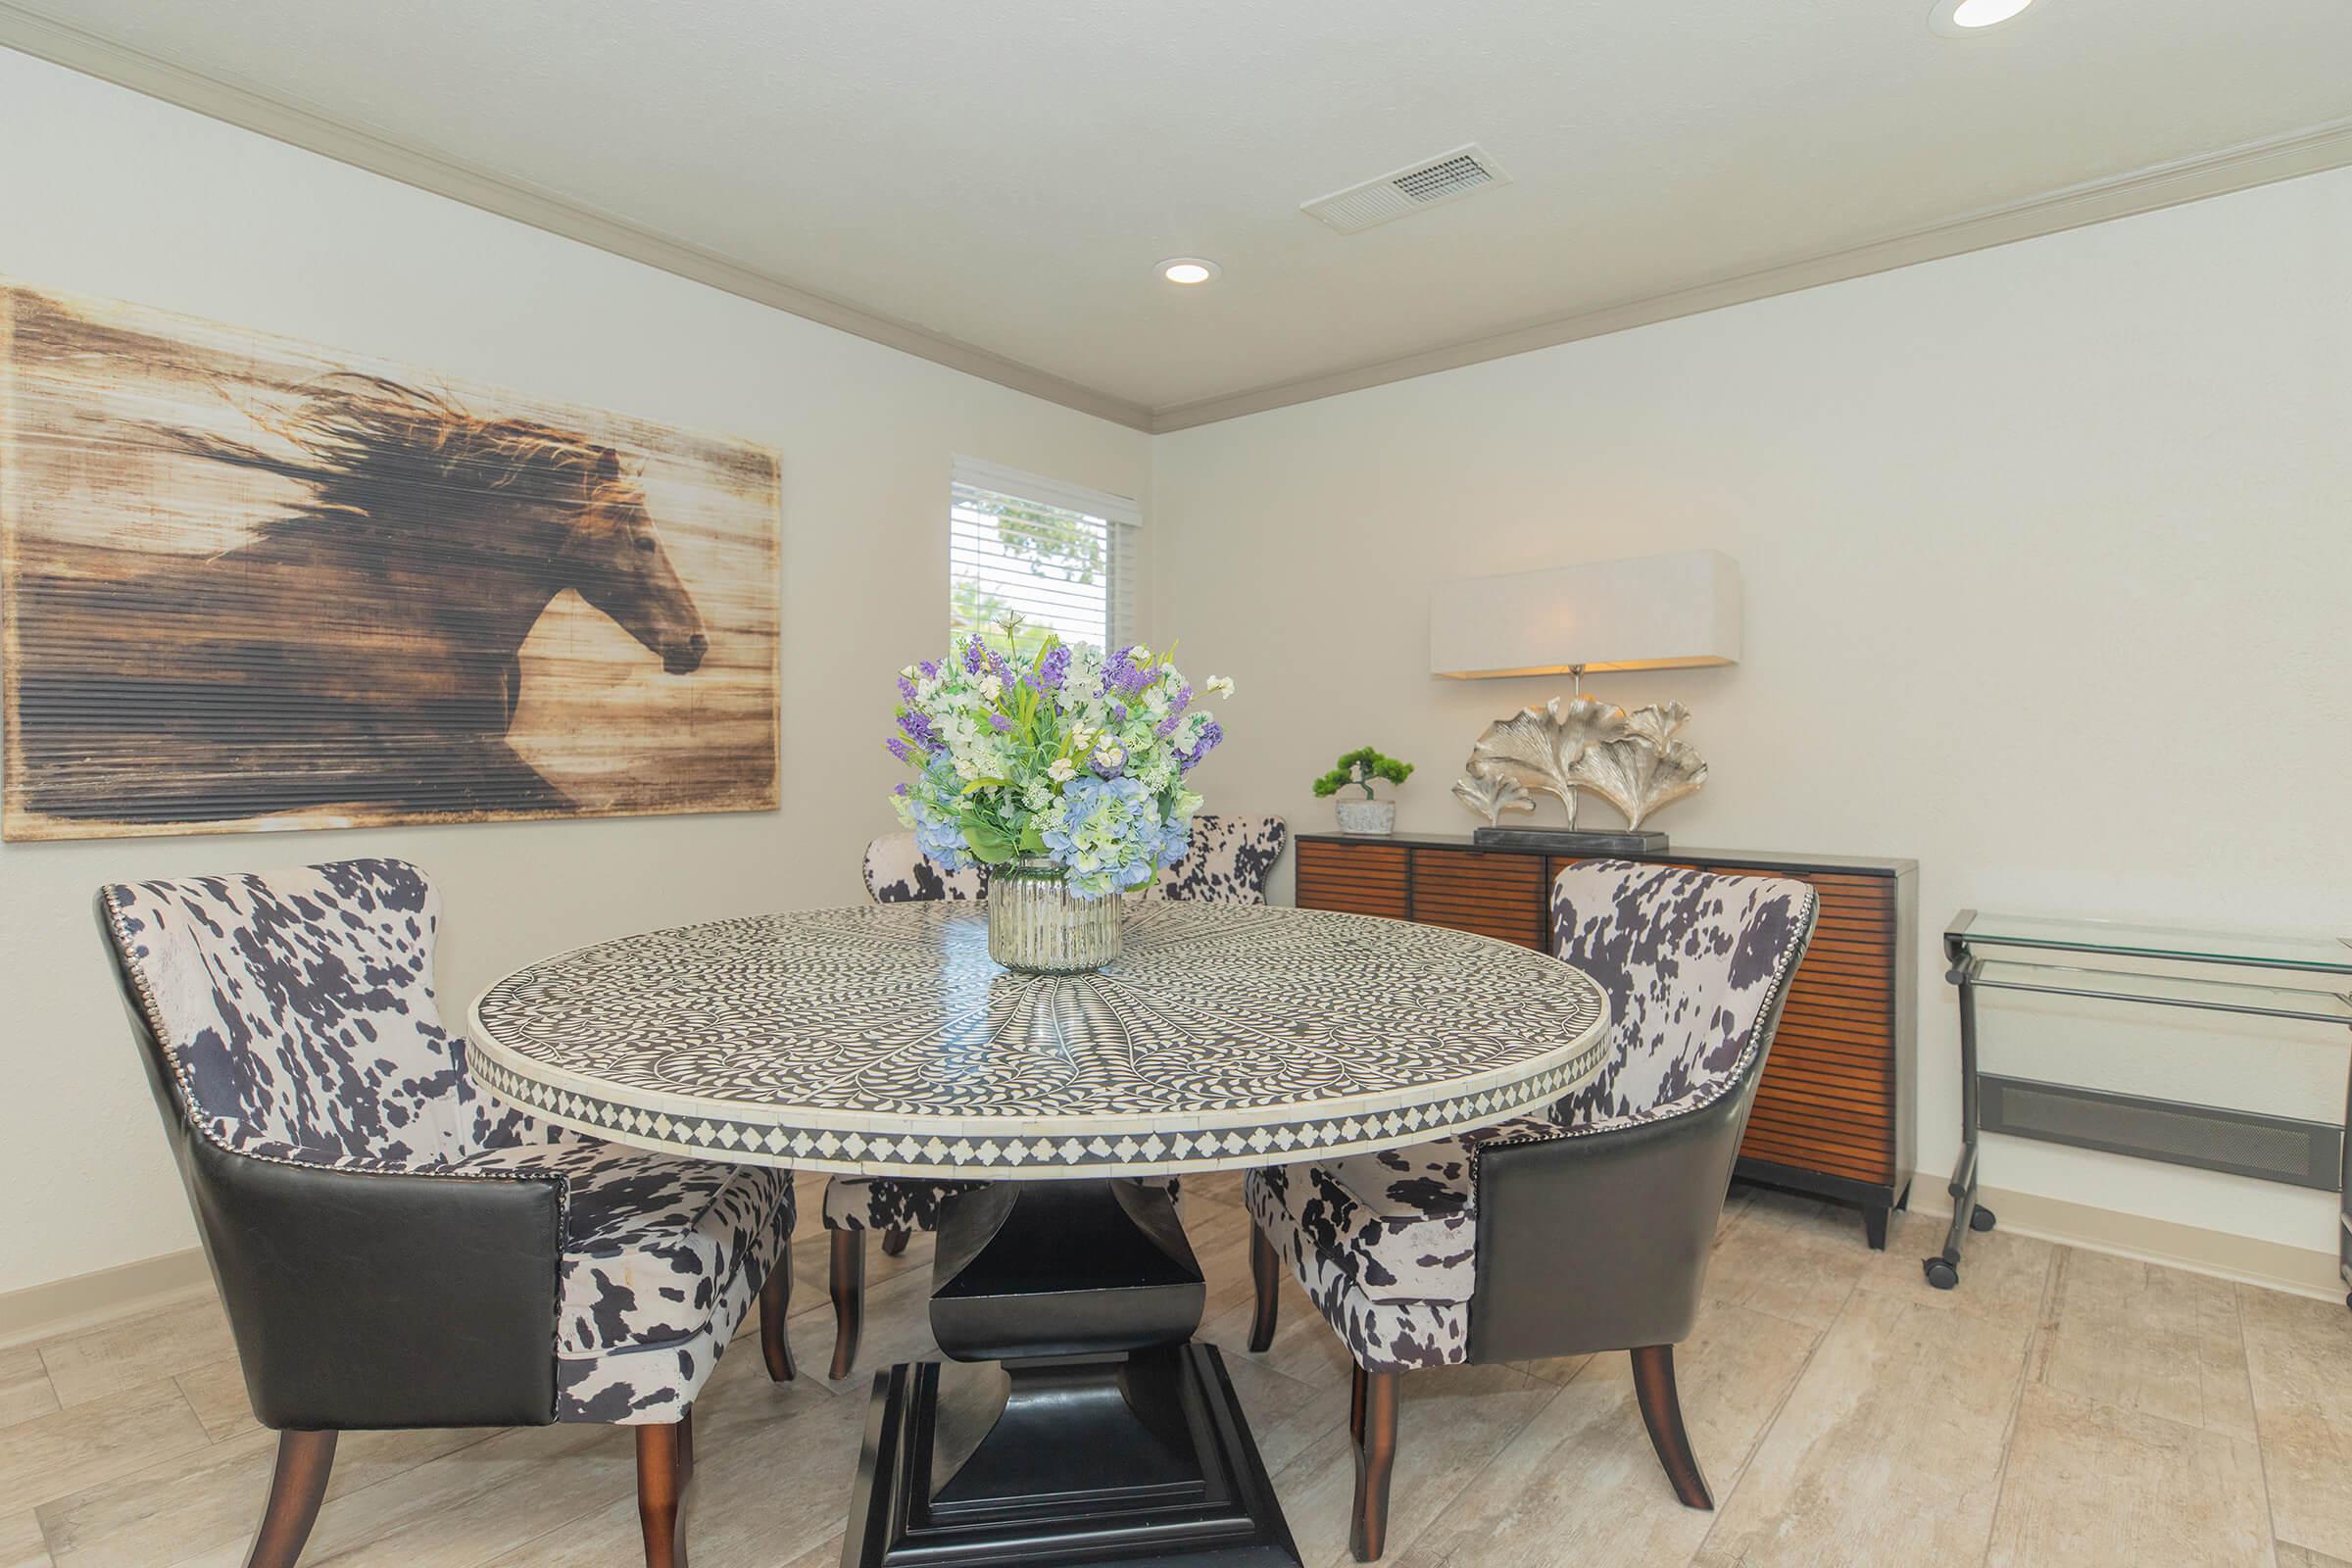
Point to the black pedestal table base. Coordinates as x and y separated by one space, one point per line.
1077 1423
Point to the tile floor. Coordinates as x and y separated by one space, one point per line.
2060 1408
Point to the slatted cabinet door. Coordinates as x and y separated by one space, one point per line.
1500 896
1360 878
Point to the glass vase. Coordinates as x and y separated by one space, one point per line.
1036 925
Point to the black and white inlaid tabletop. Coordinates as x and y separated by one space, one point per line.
881 1040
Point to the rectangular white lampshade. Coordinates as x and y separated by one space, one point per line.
1677 611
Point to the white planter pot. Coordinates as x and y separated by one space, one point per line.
1366 817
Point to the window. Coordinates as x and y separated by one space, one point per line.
1059 555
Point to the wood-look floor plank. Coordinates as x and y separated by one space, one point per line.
468 1508
2089 1482
24 1389
2291 1556
1802 1275
203 1501
1888 1451
62 1453
125 1355
1580 1484
20 1544
1450 1423
2143 1338
771 1481
2299 1364
216 1393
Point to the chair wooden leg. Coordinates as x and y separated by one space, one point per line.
849 1299
1662 1413
686 1451
1265 1274
894 1242
1372 1420
776 1300
660 1481
304 1461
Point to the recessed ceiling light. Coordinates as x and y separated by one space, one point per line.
1188 270
1967 19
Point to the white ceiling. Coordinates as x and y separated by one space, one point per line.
1006 175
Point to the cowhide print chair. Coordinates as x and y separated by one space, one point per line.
1230 862
1575 1231
395 1250
897 872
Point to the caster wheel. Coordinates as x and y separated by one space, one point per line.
1981 1219
1943 1276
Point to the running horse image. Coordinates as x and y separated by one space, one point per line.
364 650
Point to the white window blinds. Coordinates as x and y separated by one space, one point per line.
1056 554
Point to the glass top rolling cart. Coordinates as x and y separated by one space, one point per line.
2305 978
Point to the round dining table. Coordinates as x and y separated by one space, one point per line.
1076 1421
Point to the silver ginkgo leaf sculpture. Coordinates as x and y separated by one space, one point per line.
1645 768
1540 746
1493 794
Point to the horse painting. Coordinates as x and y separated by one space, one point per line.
243 593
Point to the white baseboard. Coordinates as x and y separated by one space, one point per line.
92 1300
2273 1265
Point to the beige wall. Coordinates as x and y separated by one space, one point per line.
103 192
2047 552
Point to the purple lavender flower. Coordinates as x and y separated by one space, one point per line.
919 728
999 722
903 791
972 657
1167 727
998 667
930 669
1211 734
1184 700
902 752
1053 668
1122 674
907 689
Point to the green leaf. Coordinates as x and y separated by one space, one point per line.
1033 841
991 843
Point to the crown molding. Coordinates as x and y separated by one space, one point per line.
430 170
2305 152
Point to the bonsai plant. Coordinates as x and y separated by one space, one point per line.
1357 770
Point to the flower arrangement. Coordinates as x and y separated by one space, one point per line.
1045 749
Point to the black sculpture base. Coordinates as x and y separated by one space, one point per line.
1570 841
1105 1436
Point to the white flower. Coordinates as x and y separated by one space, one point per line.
1062 770
991 688
1218 686
1111 754
1139 656
1082 739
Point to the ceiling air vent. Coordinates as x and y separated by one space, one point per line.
1446 177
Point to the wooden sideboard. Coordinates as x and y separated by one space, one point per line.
1834 1114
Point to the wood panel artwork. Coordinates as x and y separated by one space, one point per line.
1833 1113
248 584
